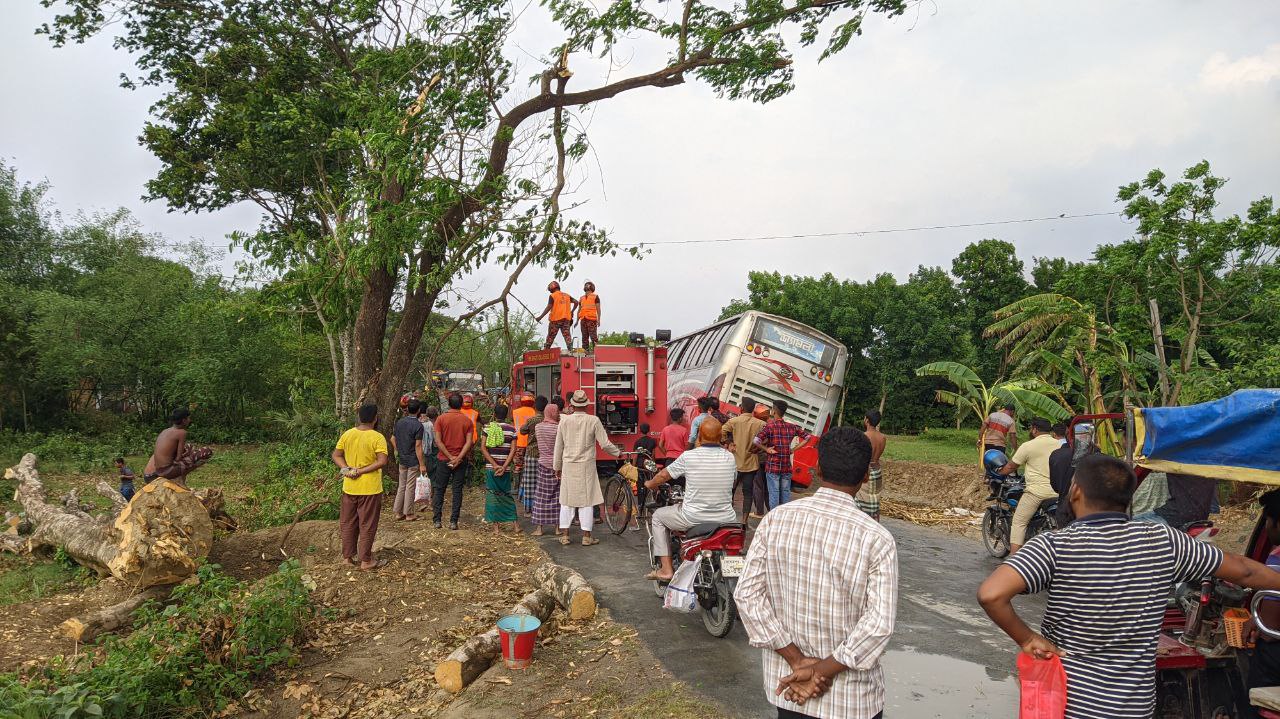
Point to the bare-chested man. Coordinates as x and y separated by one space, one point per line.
172 458
868 497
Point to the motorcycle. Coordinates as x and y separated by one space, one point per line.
1006 491
720 548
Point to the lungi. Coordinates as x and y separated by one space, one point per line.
528 483
499 506
546 498
868 497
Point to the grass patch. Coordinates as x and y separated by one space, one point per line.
674 702
935 446
23 579
190 658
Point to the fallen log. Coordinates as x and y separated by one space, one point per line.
109 619
569 588
216 505
477 654
158 538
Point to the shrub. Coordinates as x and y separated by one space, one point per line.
198 653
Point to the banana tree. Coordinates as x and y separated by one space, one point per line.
1029 396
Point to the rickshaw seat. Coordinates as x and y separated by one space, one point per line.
1265 697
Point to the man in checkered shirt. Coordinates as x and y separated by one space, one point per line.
820 590
776 440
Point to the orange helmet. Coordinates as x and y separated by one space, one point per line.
467 400
404 400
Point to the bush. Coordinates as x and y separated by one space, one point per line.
80 452
290 480
199 653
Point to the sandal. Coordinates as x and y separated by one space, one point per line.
588 541
564 539
655 577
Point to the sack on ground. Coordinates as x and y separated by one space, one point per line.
422 489
679 596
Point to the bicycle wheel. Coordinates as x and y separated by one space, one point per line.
995 532
618 503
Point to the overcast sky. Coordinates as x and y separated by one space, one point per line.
964 112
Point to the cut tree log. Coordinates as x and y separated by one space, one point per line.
569 588
109 619
477 654
157 539
216 505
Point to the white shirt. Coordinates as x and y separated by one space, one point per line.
823 575
709 471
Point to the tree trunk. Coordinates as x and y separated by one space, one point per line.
476 655
109 619
569 588
371 325
157 539
390 382
118 502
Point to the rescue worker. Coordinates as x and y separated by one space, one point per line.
589 316
561 306
519 416
469 409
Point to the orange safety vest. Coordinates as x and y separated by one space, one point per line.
522 415
474 416
589 308
561 307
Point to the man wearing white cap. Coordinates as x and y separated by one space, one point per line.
575 465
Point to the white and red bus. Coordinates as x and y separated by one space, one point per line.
762 356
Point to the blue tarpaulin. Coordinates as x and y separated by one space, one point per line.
1235 438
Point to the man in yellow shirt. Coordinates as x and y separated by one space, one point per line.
1034 455
361 453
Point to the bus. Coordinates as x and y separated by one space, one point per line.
762 356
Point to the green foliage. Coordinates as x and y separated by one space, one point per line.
990 276
24 579
296 474
933 446
194 655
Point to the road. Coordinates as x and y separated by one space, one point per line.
946 658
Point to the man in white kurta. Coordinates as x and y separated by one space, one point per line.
575 465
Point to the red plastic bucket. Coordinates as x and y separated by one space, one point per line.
518 633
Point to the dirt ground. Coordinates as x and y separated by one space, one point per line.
372 652
923 493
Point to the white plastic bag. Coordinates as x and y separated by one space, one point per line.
679 596
422 489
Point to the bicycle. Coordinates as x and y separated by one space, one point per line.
620 505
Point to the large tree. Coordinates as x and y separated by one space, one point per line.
390 143
989 274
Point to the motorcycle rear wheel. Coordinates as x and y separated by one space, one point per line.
995 532
719 618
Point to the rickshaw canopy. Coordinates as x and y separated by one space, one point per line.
1235 438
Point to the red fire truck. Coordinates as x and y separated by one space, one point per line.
627 385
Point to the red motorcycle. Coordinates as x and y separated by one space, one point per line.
720 547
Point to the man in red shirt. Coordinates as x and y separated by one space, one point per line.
673 439
776 440
454 437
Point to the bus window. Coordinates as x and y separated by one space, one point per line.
676 353
794 342
696 346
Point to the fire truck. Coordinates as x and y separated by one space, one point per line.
627 385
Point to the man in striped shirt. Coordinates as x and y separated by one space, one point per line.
820 590
1108 579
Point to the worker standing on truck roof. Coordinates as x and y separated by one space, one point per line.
561 306
589 316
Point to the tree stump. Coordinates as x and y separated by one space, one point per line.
477 654
569 588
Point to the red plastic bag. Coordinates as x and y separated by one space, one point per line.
1044 687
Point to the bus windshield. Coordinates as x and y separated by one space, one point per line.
794 342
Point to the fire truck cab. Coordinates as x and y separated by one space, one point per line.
626 385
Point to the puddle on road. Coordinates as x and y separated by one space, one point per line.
925 686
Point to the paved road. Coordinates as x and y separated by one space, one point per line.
946 658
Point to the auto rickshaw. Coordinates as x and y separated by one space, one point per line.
1199 661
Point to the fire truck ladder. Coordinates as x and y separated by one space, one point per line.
583 369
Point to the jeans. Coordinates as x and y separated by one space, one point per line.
779 488
452 477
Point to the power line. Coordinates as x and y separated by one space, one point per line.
882 231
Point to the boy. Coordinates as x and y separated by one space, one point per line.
126 479
1108 578
361 453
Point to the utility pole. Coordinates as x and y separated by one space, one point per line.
1157 334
